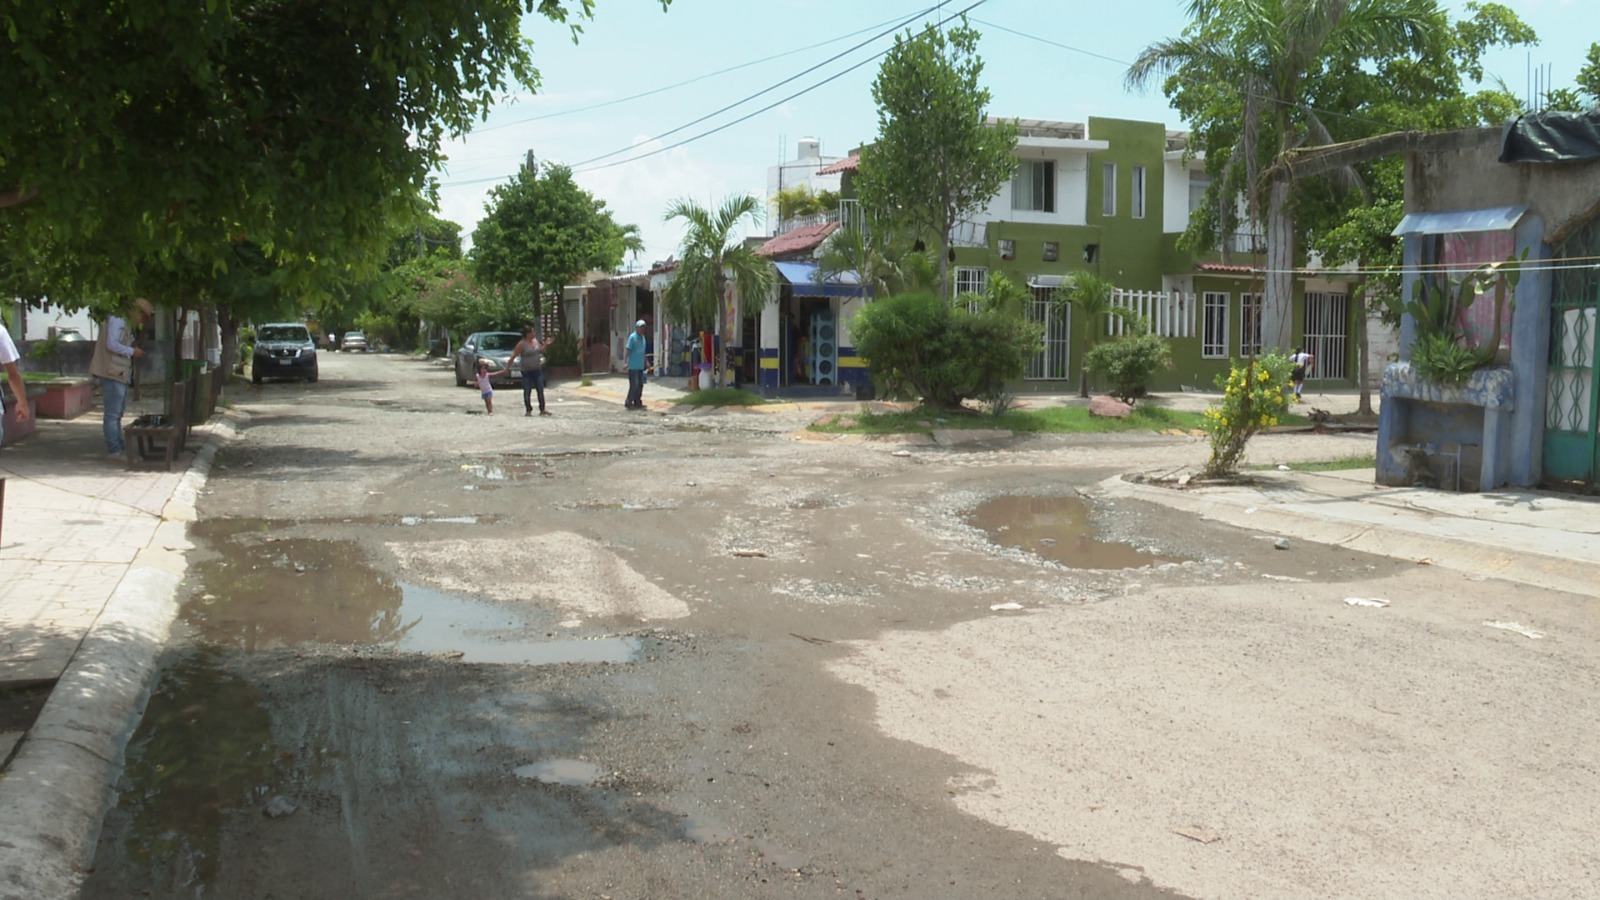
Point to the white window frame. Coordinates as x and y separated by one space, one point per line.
971 279
1108 190
1251 307
1027 192
1138 191
1214 324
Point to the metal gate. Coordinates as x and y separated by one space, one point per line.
1327 326
1050 363
1572 387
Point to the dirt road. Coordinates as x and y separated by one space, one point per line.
433 653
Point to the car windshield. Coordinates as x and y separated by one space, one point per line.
284 333
500 341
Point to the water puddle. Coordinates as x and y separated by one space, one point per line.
440 520
568 772
507 469
1057 529
263 592
203 749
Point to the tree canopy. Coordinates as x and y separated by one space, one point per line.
140 133
1247 75
936 158
542 230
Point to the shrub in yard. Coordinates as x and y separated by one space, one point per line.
1253 399
944 354
563 350
1129 363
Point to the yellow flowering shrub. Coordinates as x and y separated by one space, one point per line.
1254 398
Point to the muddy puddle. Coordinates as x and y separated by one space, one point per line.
263 592
567 772
1057 529
203 750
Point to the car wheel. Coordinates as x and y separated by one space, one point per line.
255 375
460 382
312 378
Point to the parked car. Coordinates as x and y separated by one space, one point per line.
284 350
496 347
354 340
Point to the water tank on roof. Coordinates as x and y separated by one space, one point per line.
810 148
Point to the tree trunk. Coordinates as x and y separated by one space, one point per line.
1277 312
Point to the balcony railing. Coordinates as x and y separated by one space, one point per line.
847 213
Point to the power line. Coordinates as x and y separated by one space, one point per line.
689 81
751 115
772 87
1242 92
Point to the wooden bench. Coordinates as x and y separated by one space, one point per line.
153 439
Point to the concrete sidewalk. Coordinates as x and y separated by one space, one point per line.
91 554
1537 538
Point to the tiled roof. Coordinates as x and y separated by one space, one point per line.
800 240
1225 268
848 164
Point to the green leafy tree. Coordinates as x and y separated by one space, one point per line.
306 129
1430 92
1242 74
936 158
543 230
712 257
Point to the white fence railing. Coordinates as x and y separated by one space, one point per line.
1168 313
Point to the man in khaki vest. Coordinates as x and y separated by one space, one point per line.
112 365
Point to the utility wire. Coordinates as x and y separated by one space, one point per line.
751 115
1122 62
770 88
689 81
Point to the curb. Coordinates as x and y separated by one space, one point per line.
61 782
1456 553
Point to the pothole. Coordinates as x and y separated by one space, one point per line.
1057 529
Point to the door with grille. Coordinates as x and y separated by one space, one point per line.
1051 362
1572 387
1327 328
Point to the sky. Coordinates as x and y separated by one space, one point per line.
1043 59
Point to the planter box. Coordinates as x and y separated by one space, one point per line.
16 431
65 398
554 373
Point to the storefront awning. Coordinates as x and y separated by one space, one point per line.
802 277
1497 218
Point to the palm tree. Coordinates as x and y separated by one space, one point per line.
883 258
1091 296
711 257
1269 51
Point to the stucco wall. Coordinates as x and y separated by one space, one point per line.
1461 170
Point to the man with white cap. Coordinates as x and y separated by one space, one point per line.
112 364
636 348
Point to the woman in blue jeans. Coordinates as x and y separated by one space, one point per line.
531 351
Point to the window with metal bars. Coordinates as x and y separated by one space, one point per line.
1214 321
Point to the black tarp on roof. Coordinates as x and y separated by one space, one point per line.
1550 136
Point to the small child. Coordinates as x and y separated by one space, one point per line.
485 385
